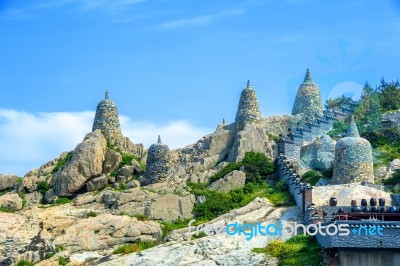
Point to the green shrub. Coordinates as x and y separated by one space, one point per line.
200 235
6 209
62 261
296 251
130 248
22 196
257 166
42 186
24 263
311 177
59 248
62 200
92 214
168 227
62 162
141 217
224 171
394 180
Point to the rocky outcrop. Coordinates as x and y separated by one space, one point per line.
111 161
85 164
41 174
391 119
233 180
171 207
217 249
319 154
11 201
7 181
253 137
97 183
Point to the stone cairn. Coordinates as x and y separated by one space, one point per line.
248 110
308 99
107 120
353 158
158 163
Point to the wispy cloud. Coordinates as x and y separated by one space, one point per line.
199 20
31 139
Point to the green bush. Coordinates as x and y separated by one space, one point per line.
24 263
257 166
62 162
62 261
296 251
62 200
394 180
43 186
6 209
168 227
130 248
311 177
92 214
224 171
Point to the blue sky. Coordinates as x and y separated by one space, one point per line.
175 67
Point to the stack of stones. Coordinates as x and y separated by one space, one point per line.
158 163
353 158
248 110
107 120
308 99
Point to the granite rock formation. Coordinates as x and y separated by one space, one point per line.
308 99
353 158
318 154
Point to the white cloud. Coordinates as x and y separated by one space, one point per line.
200 20
28 140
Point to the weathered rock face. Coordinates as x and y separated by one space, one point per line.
7 181
233 180
97 183
111 161
85 164
308 99
391 119
217 249
319 154
248 110
11 201
158 163
43 173
171 207
252 138
353 158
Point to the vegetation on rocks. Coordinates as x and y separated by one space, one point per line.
311 177
62 162
297 251
130 248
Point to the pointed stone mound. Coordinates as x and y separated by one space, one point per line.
248 110
308 98
353 158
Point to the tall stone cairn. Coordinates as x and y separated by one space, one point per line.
353 158
158 163
308 98
107 120
248 110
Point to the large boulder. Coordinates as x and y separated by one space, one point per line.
318 154
11 201
171 207
111 161
231 181
393 167
97 183
85 164
7 181
253 137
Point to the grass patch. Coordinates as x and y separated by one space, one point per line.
61 201
130 248
42 186
224 171
6 209
141 217
296 251
218 203
92 214
62 162
22 196
200 235
24 263
311 177
62 261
